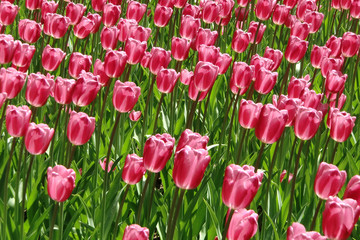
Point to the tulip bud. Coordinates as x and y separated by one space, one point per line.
336 4
96 18
265 80
240 41
334 43
84 28
135 10
29 30
274 55
263 9
342 124
61 182
8 13
23 54
37 138
295 49
166 80
206 37
162 15
111 14
48 7
135 115
300 29
186 77
314 19
136 232
307 122
298 232
329 64
180 48
249 113
80 128
63 90
11 81
38 89
98 5
51 58
56 25
205 75
189 27
133 169
86 88
353 189
160 58
243 224
125 96
210 11
240 185
79 62
109 37
103 165
7 49
280 14
345 4
350 44
17 120
318 54
335 81
135 50
99 70
114 63
253 26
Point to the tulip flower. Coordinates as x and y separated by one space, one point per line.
114 63
61 182
206 37
123 26
243 225
240 185
37 138
350 44
17 120
86 88
290 3
48 7
340 101
80 128
135 50
295 49
135 10
11 81
345 4
189 27
274 55
8 13
136 232
84 28
160 58
240 41
307 122
133 169
111 14
51 58
166 80
334 43
139 33
96 18
33 4
99 70
145 60
355 9
303 7
75 12
109 37
339 217
157 151
318 54
23 54
98 5
29 30
289 104
125 96
166 3
56 25
300 29
263 9
298 232
336 4
192 139
180 3
7 49
38 89
253 26
194 93
342 124
63 90
258 62
249 113
135 115
79 62
314 19
265 80
243 3
103 165
208 53
186 77
205 75
192 10
223 62
226 7
353 189
280 14
210 11
162 15
180 48
329 64
335 81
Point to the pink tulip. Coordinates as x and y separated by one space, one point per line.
17 120
135 115
98 5
84 28
223 62
243 225
136 232
226 7
124 28
135 50
329 64
56 25
8 13
204 36
111 14
189 27
75 12
334 43
180 48
208 53
11 81
298 232
342 124
241 74
300 29
103 165
249 113
280 14
186 77
29 30
63 90
194 93
79 62
133 169
51 58
350 44
86 88
353 189
180 3
192 139
336 4
135 10
253 26
38 89
289 104
264 8
109 37
265 80
345 4
307 122
48 7
318 54
23 54
314 19
355 9
37 138
210 11
7 49
295 49
274 55
162 15
61 182
290 3
160 58
335 81
166 80
139 32
240 41
205 75
96 18
258 62
125 96
80 128
114 63
192 10
99 70
3 97
303 7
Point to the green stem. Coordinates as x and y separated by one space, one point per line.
51 233
61 225
334 153
71 156
146 110
118 217
176 215
232 123
172 209
258 160
313 78
18 175
285 78
157 112
227 224
340 20
141 202
244 132
349 104
52 141
313 222
274 36
152 191
192 112
325 147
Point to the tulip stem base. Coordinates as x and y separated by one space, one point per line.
171 212
192 112
316 214
51 233
325 147
176 214
118 217
232 123
243 134
334 152
141 202
258 160
158 112
227 224
146 111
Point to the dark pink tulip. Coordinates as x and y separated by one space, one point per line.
51 58
240 185
23 54
11 82
109 37
61 182
303 7
249 113
205 75
334 43
318 54
350 44
139 32
223 62
162 15
115 2
240 41
340 102
84 28
243 225
166 3
136 232
335 81
271 124
355 9
210 11
166 80
186 76
189 27
290 20
194 93
98 5
56 25
353 189
189 167
133 169
235 90
336 4
311 99
124 28
205 37
253 26
7 49
329 64
314 19
33 4
289 104
192 139
79 62
208 53
328 181
263 9
125 96
307 122
280 14
298 232
86 88
99 70
135 50
80 128
111 14
103 164
290 3
241 74
180 48
17 120
8 12
157 151
339 217
297 86
48 7
160 58
345 4
243 3
265 80
135 115
342 124
180 3
75 12
96 18
38 89
226 7
300 29
135 10
63 90
275 55
258 62
37 138
295 49
191 10
29 30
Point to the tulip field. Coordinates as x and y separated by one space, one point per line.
179 119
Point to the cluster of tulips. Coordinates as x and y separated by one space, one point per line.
186 70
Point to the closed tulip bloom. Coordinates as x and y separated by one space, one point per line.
189 27
8 12
157 151
208 53
166 3
96 18
180 48
335 81
80 128
240 41
336 4
342 124
303 7
135 10
37 138
289 104
345 4
51 58
38 89
205 75
226 7
329 180
7 49
353 189
11 81
355 9
23 54
135 50
133 169
124 28
350 44
249 113
17 120
259 62
280 14
206 37
56 25
160 58
135 115
192 139
139 33
300 29
191 10
33 4
125 96
29 30
307 122
79 62
136 232
195 94
298 232
290 3
271 124
329 64
63 90
109 37
275 55
295 49
162 15
210 11
265 80
145 60
99 70
334 43
75 12
61 182
223 62
339 217
311 99
240 185
86 88
314 19
297 86
98 5
253 26
243 225
166 80
318 54
263 9
111 14
83 28
48 7
103 165
186 76
114 63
